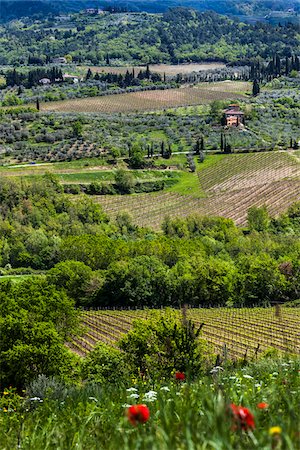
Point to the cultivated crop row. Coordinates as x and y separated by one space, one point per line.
150 210
148 100
243 171
239 331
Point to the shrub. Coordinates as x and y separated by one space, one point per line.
162 345
105 364
124 181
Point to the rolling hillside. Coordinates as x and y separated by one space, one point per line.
232 185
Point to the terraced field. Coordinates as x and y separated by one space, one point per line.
232 185
153 100
240 331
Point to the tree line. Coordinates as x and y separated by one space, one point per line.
127 79
32 77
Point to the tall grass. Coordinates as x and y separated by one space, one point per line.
184 415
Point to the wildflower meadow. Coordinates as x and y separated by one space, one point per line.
251 407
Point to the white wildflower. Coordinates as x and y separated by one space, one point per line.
134 396
150 396
248 377
216 369
165 388
132 389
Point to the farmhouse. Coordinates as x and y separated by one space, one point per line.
234 116
70 78
45 81
59 60
94 11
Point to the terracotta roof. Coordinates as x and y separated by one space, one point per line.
234 112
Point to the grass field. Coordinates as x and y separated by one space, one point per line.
202 93
243 330
223 186
85 175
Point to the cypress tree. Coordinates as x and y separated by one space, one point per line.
278 65
197 147
255 88
202 143
287 66
89 74
37 104
147 74
222 142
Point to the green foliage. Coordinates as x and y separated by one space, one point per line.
262 279
192 415
136 159
258 219
124 181
195 225
125 223
11 100
77 128
73 276
159 346
180 34
35 320
105 364
141 281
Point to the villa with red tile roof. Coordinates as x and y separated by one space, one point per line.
234 116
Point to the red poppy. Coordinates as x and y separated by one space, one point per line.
179 376
242 417
262 405
138 414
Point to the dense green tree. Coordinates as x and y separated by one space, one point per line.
73 276
124 181
77 128
141 281
137 159
261 281
258 218
35 320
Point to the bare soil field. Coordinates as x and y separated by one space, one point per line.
168 69
153 100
